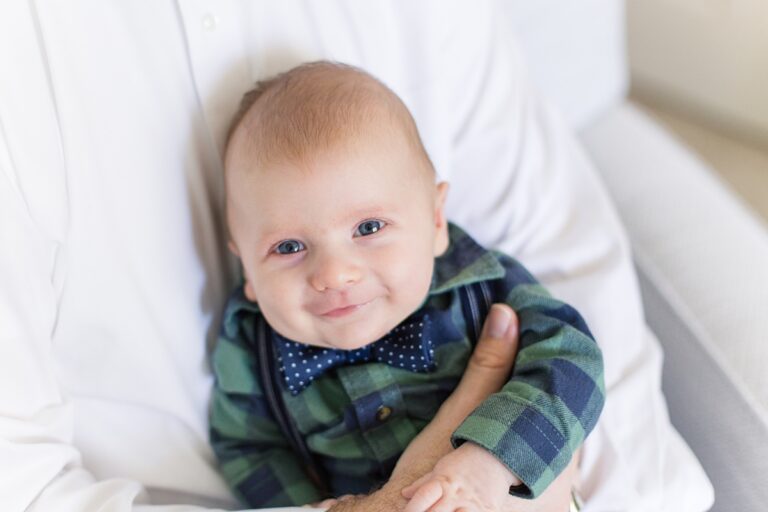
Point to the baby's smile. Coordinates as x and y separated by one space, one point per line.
331 305
345 309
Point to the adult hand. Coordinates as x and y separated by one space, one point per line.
487 371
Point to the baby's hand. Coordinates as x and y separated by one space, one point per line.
467 478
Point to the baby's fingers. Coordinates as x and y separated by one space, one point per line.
424 496
447 505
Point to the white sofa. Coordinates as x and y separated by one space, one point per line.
701 255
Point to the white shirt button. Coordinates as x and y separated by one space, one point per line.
209 22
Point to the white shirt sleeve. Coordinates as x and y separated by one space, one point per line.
35 422
40 466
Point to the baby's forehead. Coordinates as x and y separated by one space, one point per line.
316 107
386 170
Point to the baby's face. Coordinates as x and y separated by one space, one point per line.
337 252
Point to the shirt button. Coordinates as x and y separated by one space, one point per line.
209 22
383 413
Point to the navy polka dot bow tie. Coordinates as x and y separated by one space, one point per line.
408 346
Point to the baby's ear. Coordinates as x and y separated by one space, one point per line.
249 293
248 289
441 223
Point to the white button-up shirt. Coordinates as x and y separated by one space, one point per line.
113 268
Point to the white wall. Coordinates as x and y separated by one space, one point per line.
708 58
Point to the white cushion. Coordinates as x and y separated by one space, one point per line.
688 229
703 262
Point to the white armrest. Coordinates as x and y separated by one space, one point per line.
702 257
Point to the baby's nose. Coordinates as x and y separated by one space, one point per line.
335 274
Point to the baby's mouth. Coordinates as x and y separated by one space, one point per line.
344 310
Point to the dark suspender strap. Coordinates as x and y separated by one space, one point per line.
466 295
269 375
484 295
475 303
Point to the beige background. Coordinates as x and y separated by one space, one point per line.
701 68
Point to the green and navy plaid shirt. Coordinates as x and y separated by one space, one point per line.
358 419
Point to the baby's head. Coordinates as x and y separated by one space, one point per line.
332 205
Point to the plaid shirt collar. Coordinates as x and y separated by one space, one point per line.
464 262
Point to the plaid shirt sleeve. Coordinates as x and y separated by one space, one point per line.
554 395
254 456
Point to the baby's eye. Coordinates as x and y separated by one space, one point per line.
369 227
289 247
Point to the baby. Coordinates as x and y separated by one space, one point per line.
360 307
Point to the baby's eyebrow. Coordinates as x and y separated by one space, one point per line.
269 237
366 211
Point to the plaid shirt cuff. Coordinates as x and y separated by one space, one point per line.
522 438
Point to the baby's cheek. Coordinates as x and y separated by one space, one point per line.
408 265
413 285
283 312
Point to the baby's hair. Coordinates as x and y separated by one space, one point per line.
317 106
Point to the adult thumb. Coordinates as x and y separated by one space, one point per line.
494 355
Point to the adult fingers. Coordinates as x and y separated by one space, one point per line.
446 505
494 355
